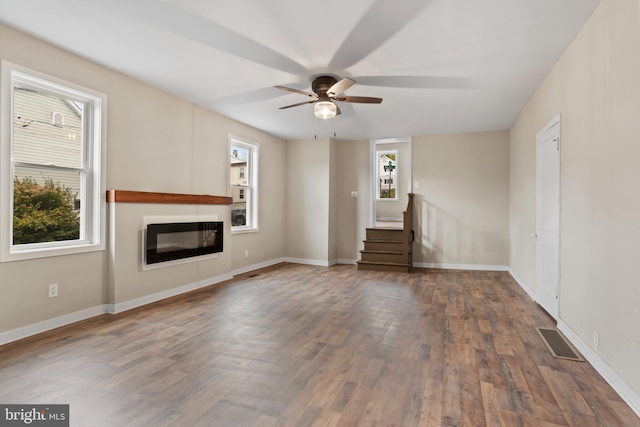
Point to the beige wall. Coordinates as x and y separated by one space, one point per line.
324 223
307 204
333 201
156 142
595 86
462 203
354 215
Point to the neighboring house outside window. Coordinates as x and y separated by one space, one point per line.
52 158
243 173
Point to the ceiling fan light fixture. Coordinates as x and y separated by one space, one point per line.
325 110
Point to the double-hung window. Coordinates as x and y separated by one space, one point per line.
243 180
52 157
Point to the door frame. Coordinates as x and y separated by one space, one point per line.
556 121
373 143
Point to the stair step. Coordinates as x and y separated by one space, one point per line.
383 266
384 228
399 264
384 233
383 245
382 255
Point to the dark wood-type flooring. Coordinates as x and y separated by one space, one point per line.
301 346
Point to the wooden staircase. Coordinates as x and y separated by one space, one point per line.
389 249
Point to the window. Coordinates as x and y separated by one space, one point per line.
57 120
52 157
243 172
387 164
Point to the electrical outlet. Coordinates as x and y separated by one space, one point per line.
53 290
596 340
246 253
416 185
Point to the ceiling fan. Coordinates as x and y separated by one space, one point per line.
327 90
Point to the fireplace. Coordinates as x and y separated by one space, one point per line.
173 241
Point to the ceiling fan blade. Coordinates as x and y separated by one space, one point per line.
298 104
340 86
301 92
197 28
359 99
416 82
377 25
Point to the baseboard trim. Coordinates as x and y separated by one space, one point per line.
257 266
316 262
148 299
445 266
524 285
615 381
47 325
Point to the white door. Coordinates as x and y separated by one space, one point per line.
548 217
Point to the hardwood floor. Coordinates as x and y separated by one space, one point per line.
312 346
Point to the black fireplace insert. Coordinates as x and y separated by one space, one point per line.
172 241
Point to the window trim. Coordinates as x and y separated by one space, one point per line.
95 160
251 174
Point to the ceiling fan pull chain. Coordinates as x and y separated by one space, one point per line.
315 127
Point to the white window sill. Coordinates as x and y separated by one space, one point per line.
243 230
22 255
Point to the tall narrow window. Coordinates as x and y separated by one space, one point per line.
243 175
52 166
387 171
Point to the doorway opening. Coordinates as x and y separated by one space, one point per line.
391 178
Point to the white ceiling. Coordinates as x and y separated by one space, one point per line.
442 66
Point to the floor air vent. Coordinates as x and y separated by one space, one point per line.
558 345
254 275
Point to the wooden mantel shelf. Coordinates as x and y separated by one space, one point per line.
125 196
